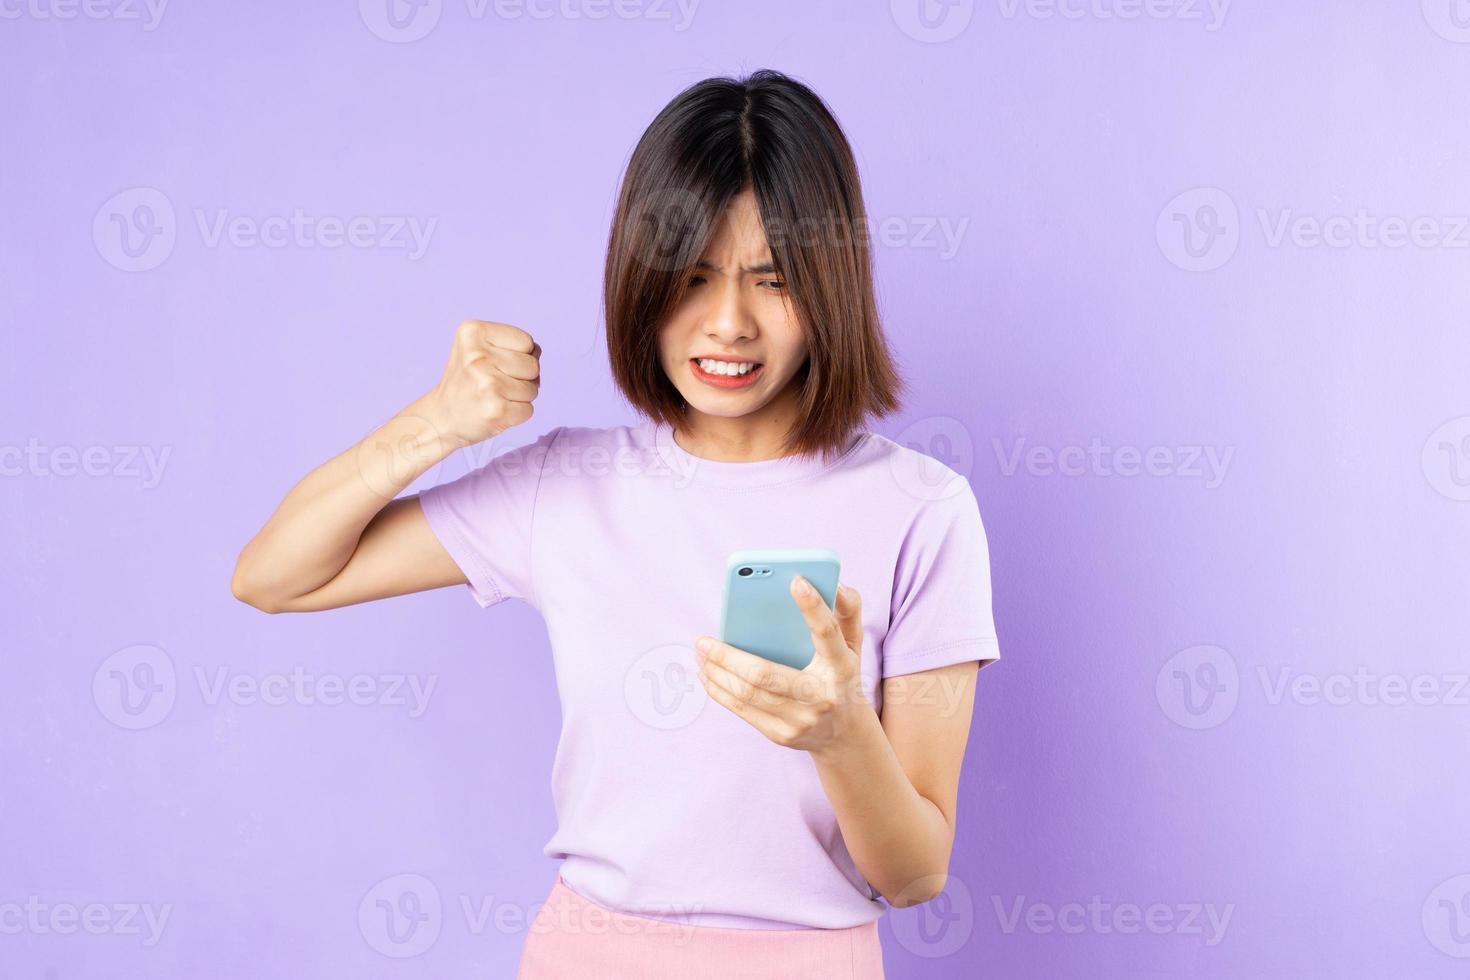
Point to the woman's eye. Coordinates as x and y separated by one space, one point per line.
695 280
775 284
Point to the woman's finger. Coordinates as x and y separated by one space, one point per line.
827 635
742 689
755 670
850 617
772 727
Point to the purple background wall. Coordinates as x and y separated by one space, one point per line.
1182 290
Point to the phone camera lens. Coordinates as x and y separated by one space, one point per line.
745 571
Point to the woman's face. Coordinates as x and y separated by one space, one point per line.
736 313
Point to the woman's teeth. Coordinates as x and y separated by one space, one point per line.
726 367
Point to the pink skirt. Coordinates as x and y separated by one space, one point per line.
575 938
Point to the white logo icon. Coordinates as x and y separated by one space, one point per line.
135 229
1450 19
942 458
1199 230
938 927
401 915
662 687
135 687
932 21
1446 459
1198 687
400 21
1446 917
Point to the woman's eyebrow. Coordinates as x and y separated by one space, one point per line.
764 269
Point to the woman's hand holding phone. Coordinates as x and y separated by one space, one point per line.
813 708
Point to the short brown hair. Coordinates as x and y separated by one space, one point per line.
775 135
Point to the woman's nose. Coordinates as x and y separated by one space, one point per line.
729 319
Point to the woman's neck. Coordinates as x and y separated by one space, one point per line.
746 439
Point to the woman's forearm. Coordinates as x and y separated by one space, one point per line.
493 375
900 840
316 528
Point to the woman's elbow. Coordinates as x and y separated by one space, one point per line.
249 592
925 889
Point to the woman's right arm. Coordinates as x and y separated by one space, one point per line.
339 537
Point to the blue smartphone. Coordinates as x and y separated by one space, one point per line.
761 616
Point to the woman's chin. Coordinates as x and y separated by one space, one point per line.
723 408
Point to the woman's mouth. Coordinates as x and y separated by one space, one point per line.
725 374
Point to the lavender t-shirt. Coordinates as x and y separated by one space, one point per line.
667 803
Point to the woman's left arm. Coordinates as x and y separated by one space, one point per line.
893 782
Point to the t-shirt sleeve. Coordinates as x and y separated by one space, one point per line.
941 605
484 519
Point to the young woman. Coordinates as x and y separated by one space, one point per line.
757 821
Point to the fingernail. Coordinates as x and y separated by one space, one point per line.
802 587
702 644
